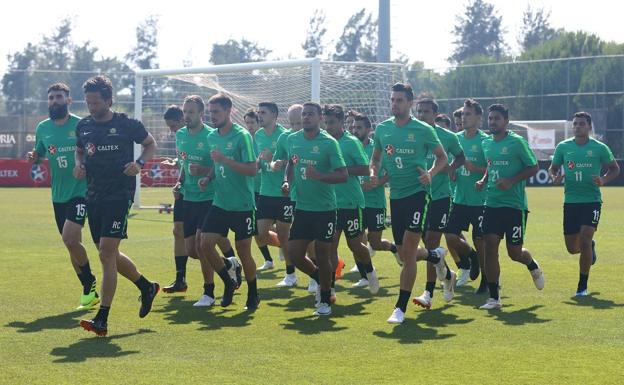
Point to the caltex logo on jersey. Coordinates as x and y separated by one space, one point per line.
90 149
38 173
570 165
52 149
183 155
295 159
389 149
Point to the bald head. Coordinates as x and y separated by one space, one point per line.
294 116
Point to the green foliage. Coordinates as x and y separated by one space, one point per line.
535 28
234 51
478 31
358 41
314 45
144 55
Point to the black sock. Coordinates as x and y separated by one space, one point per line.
433 257
333 282
315 275
229 253
266 254
532 266
225 276
401 303
493 288
361 269
143 284
180 262
393 248
102 314
448 272
228 264
464 262
582 284
86 278
290 269
368 268
252 287
325 296
430 287
209 289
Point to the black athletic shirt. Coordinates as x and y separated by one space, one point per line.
108 146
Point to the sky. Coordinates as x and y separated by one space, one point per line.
421 30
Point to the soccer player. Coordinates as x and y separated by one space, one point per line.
458 119
105 155
439 206
174 119
401 146
583 158
468 201
193 148
510 163
55 139
349 196
315 165
443 121
374 215
233 207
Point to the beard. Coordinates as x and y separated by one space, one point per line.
57 112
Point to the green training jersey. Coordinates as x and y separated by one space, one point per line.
281 153
505 159
441 183
465 192
404 149
58 144
349 195
375 198
271 180
194 148
323 153
258 177
581 164
233 191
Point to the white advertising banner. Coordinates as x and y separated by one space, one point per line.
542 139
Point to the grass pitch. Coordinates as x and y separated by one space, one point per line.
539 337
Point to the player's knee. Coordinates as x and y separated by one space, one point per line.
585 240
178 232
375 244
71 241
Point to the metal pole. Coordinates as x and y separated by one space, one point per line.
383 31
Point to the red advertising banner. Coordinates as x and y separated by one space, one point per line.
156 174
20 173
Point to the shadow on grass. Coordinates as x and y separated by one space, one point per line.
592 301
59 321
310 324
363 293
438 318
94 347
518 317
410 332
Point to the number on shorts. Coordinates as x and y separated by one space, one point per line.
330 229
80 210
249 224
416 220
516 232
288 211
596 215
62 161
443 220
399 162
380 218
480 218
352 225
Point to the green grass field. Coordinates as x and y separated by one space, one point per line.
539 337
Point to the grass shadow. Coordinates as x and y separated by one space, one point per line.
439 318
308 325
592 301
363 293
217 319
59 321
518 317
410 332
102 347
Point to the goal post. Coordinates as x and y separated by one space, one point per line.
364 87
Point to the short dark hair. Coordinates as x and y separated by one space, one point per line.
335 110
59 87
583 114
362 118
405 88
195 99
443 118
173 112
252 113
100 84
271 106
501 108
314 104
457 113
428 100
222 100
471 103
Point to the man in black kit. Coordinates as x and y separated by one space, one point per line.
104 154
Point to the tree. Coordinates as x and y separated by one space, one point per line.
313 45
359 39
478 31
144 55
233 51
535 28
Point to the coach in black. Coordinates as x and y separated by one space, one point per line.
104 154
